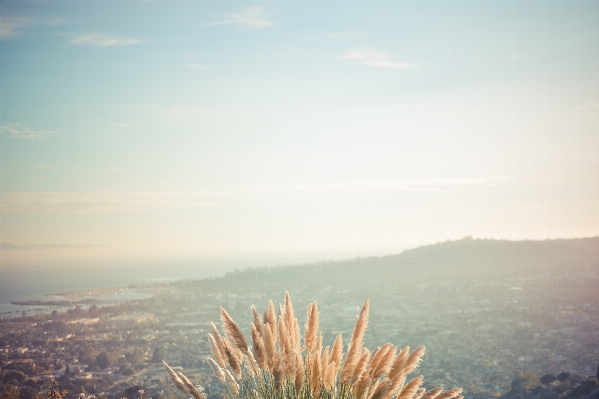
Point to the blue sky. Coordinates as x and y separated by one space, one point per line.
282 132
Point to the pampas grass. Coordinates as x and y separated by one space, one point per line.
279 366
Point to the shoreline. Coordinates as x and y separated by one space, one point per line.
70 300
85 294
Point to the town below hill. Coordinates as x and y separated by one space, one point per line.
509 319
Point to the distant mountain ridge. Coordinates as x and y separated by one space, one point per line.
467 257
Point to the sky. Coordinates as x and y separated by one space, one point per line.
287 132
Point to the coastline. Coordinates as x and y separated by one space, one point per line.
64 301
33 292
91 293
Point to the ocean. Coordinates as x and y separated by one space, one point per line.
40 283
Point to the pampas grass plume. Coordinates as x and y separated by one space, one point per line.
295 370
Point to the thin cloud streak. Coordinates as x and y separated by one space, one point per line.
250 18
10 26
99 201
374 58
102 40
20 131
392 185
6 246
135 201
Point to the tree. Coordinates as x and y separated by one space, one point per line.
135 357
19 376
136 391
10 392
561 377
105 360
158 355
27 392
548 378
93 311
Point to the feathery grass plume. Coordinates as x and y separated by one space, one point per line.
385 363
232 359
295 370
419 393
231 382
287 359
311 327
250 363
432 394
287 355
257 323
258 347
329 376
383 358
411 388
176 379
277 372
319 345
355 346
232 332
374 356
218 372
361 367
324 362
269 347
452 393
413 360
289 318
315 376
381 389
297 334
219 343
337 352
191 388
284 338
360 388
399 362
271 318
397 384
216 352
300 373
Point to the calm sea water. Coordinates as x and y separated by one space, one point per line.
39 283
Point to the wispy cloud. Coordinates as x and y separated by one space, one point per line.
10 27
374 58
391 185
103 40
377 185
249 18
6 246
100 201
19 131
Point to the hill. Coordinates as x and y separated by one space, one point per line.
465 258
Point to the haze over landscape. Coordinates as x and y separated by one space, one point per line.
264 133
159 159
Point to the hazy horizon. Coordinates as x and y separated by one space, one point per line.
291 132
